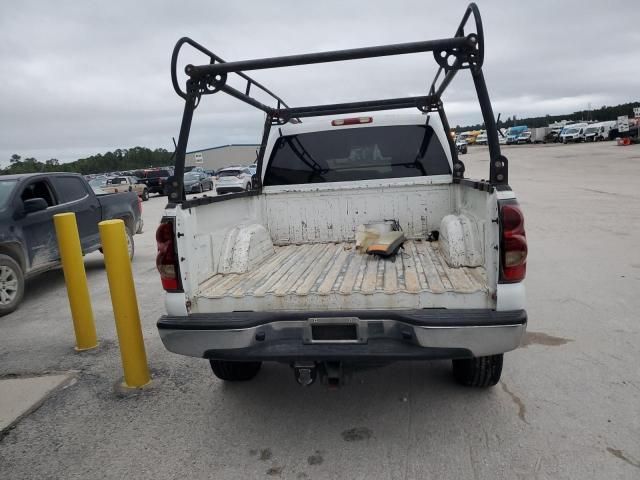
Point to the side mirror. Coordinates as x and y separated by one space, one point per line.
35 205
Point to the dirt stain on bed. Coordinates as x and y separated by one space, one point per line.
539 338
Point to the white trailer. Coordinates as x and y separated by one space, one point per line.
539 135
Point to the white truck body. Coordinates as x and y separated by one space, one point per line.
292 249
289 232
361 242
539 134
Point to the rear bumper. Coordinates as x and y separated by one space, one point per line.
371 335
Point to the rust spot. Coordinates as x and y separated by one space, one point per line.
522 409
618 453
315 460
539 338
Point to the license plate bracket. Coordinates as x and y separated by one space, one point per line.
335 330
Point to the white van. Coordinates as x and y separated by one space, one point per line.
598 131
573 133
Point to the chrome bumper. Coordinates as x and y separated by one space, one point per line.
410 335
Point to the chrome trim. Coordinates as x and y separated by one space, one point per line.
481 340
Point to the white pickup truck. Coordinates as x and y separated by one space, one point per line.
281 274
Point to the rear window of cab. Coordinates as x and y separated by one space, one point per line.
354 154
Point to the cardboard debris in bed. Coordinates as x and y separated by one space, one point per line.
380 238
387 244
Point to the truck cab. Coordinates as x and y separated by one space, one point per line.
513 133
573 133
598 131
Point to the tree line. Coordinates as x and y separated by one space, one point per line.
119 160
601 114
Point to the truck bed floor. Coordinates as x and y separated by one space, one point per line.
335 275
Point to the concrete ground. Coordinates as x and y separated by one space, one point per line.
568 405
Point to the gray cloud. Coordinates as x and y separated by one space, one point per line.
80 78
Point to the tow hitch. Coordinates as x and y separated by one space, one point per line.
305 372
331 373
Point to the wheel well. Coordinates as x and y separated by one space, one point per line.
14 251
128 222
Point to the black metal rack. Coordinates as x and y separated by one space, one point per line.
460 52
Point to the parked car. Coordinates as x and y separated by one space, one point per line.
304 270
197 181
573 133
253 168
514 132
482 138
599 131
156 179
233 179
126 184
461 146
502 136
469 137
28 243
99 181
524 137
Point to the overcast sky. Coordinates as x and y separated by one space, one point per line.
79 78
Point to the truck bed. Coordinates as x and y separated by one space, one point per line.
335 276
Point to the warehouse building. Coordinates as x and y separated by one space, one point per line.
223 156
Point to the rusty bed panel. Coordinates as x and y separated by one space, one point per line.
324 269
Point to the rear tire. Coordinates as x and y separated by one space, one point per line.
11 285
131 248
145 195
231 371
478 371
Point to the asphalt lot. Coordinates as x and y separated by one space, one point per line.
568 405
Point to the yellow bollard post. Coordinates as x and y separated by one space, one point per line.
125 303
75 278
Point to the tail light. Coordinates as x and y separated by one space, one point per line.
513 261
351 121
167 260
